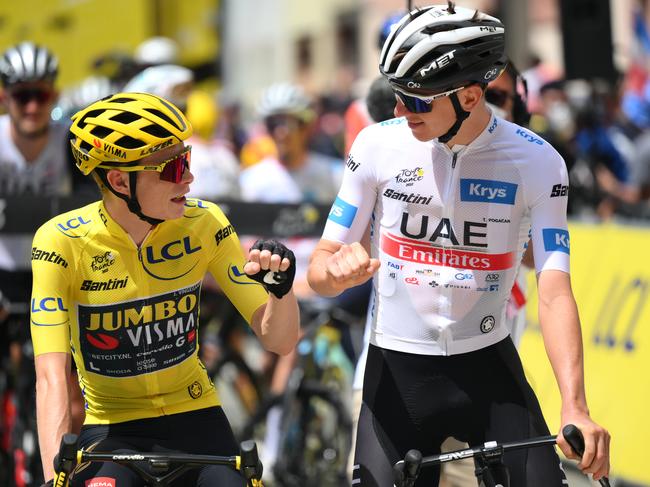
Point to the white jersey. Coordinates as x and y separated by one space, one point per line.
449 227
48 175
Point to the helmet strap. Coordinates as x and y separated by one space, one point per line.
131 200
461 115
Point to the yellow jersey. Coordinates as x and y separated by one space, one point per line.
129 315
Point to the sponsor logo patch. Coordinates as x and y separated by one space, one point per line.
487 191
342 213
556 239
195 390
423 253
100 482
487 324
140 336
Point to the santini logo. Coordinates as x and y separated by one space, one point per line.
484 190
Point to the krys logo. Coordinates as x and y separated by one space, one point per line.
556 239
69 227
170 252
139 336
484 190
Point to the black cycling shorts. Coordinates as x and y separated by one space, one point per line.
417 401
201 432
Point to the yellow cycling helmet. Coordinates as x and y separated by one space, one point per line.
123 128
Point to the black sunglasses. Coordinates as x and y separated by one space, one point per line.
275 121
497 97
24 96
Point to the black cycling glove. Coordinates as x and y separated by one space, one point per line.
279 283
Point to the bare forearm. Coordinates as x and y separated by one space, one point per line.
53 419
319 279
280 324
563 342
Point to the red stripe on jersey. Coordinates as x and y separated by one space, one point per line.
423 253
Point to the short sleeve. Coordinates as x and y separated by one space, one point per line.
51 299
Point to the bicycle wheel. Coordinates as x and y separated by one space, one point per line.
239 390
315 438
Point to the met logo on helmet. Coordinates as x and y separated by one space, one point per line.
438 63
485 190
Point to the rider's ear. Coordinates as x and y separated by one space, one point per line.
470 97
119 180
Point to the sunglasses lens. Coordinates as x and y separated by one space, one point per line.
25 96
174 169
496 97
274 122
413 104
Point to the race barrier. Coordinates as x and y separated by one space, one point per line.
610 274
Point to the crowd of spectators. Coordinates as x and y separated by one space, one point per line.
602 129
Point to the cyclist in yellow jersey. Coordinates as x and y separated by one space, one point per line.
117 286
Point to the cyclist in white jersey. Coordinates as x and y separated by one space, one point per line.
452 192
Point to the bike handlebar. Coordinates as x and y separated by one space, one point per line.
248 463
406 471
574 438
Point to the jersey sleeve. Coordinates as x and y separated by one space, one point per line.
548 193
227 267
355 201
51 297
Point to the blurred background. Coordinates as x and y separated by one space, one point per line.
274 83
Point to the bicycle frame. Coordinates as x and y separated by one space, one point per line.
69 457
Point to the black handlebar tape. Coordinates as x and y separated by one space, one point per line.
412 464
574 437
250 460
66 459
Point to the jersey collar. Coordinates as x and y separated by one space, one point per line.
484 138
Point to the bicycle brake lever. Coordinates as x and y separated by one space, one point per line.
574 438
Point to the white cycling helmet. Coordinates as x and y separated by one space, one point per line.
160 80
442 47
285 98
157 50
26 62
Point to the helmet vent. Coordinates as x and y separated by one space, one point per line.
91 114
121 100
126 142
157 131
125 117
434 29
85 146
160 114
100 132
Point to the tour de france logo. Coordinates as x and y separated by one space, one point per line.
195 390
103 261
